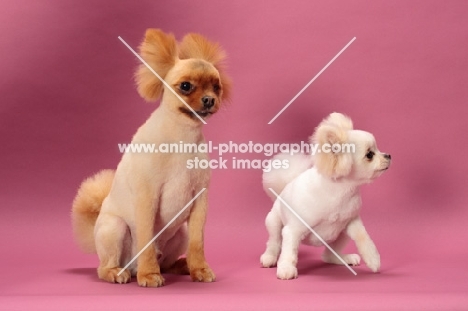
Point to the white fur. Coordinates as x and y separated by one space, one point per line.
329 204
278 179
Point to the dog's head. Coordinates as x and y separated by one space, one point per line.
193 68
347 153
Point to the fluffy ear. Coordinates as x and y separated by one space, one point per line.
196 46
339 120
159 50
331 164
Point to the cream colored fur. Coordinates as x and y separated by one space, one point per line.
117 215
326 196
87 205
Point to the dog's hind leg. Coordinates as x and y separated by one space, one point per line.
174 248
110 233
274 226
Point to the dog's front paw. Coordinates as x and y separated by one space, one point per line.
268 260
372 259
150 279
111 275
286 272
204 274
373 262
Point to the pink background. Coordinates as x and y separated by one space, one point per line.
68 98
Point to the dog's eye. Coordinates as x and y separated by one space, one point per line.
216 88
370 155
186 86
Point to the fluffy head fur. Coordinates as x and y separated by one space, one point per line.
159 50
333 130
196 46
194 69
363 165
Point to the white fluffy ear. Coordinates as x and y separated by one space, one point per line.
332 131
339 120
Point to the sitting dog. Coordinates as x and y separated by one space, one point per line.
116 213
324 192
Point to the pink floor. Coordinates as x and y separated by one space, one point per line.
67 99
423 266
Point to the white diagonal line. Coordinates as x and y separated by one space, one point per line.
310 82
313 231
162 230
162 80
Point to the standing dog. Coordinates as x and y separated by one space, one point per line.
325 193
117 213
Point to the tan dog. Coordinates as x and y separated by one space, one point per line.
117 213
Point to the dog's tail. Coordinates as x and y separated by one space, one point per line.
277 179
87 205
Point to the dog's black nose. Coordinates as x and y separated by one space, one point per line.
387 156
208 101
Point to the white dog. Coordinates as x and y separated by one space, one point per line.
324 191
